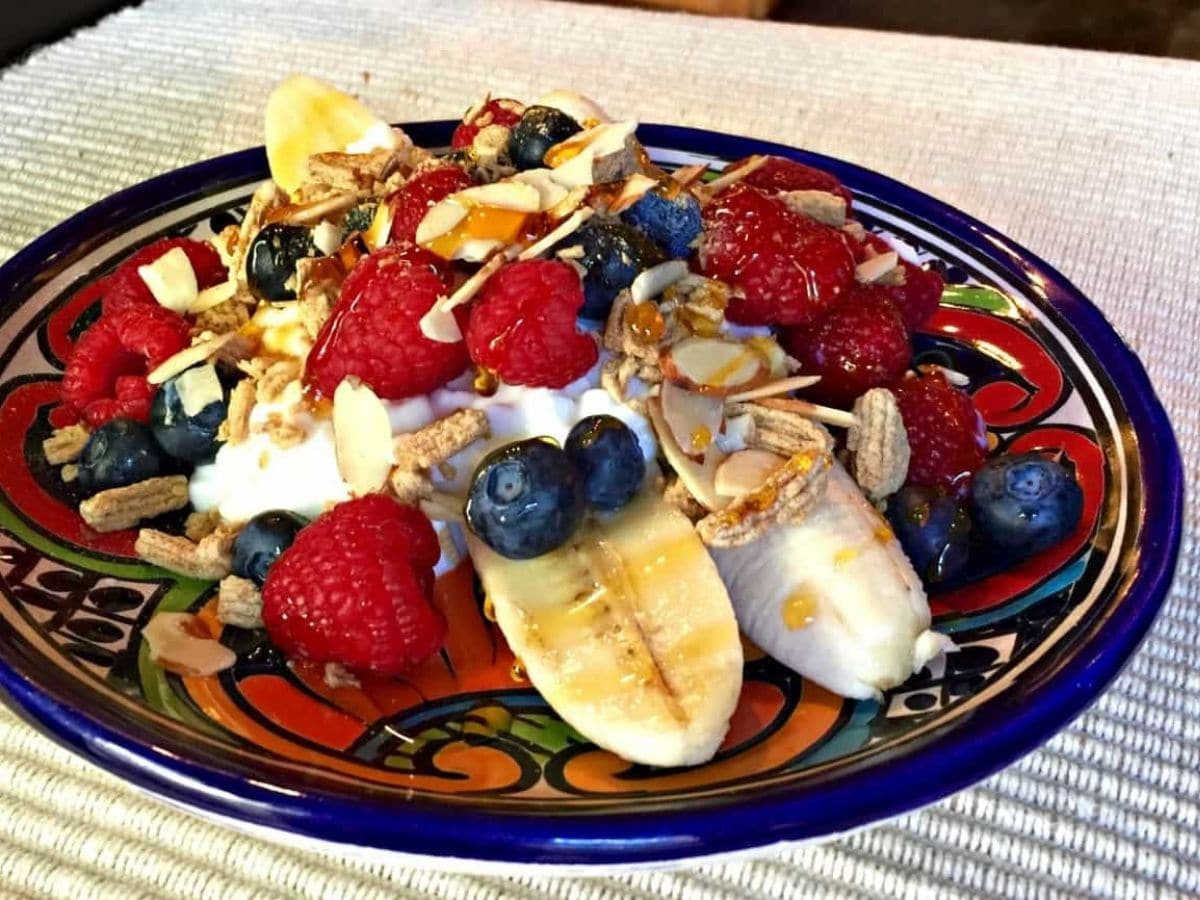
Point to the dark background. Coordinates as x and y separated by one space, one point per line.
1160 27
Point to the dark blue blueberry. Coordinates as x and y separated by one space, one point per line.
360 218
671 222
610 458
118 453
613 255
259 544
526 499
539 129
934 530
191 438
1024 503
272 257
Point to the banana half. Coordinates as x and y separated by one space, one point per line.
627 631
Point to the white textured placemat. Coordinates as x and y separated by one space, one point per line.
1091 160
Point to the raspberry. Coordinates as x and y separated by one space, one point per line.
523 325
105 376
945 432
860 345
126 288
375 330
918 297
354 588
495 112
780 174
411 202
789 269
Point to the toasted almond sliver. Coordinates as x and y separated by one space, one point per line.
728 178
567 226
635 187
362 437
214 296
829 416
653 281
775 388
871 270
438 324
187 358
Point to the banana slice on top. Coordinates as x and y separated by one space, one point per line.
307 116
627 631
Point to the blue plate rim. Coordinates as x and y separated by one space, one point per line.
965 755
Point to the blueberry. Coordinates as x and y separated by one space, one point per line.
539 129
613 255
191 438
671 222
118 453
526 499
608 455
360 218
934 530
271 259
259 544
1025 503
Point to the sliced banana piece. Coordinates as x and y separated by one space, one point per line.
834 597
627 631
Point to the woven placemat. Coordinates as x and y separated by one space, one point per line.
1091 160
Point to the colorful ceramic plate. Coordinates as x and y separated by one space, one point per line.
462 761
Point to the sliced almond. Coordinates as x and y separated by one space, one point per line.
684 176
697 477
380 229
583 110
362 437
571 201
728 178
198 387
512 195
477 249
636 186
327 237
871 270
311 213
550 192
694 419
439 323
171 280
212 297
176 643
775 388
839 417
745 471
442 218
598 155
713 365
653 281
185 359
567 226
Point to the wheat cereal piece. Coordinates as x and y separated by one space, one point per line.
275 378
609 378
236 427
284 434
438 441
239 603
181 556
786 497
827 208
223 318
315 306
69 473
855 230
678 496
781 431
65 444
200 525
878 445
124 507
411 487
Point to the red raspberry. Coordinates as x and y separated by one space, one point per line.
918 297
126 288
105 376
495 112
945 432
411 202
861 344
354 588
523 325
375 330
780 174
789 268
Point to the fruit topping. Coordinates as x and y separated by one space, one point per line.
526 499
612 254
474 223
271 260
412 202
374 331
360 217
610 459
354 588
105 376
1025 503
862 344
187 412
789 269
934 530
522 325
671 221
538 129
261 541
500 111
127 287
945 432
118 453
778 174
